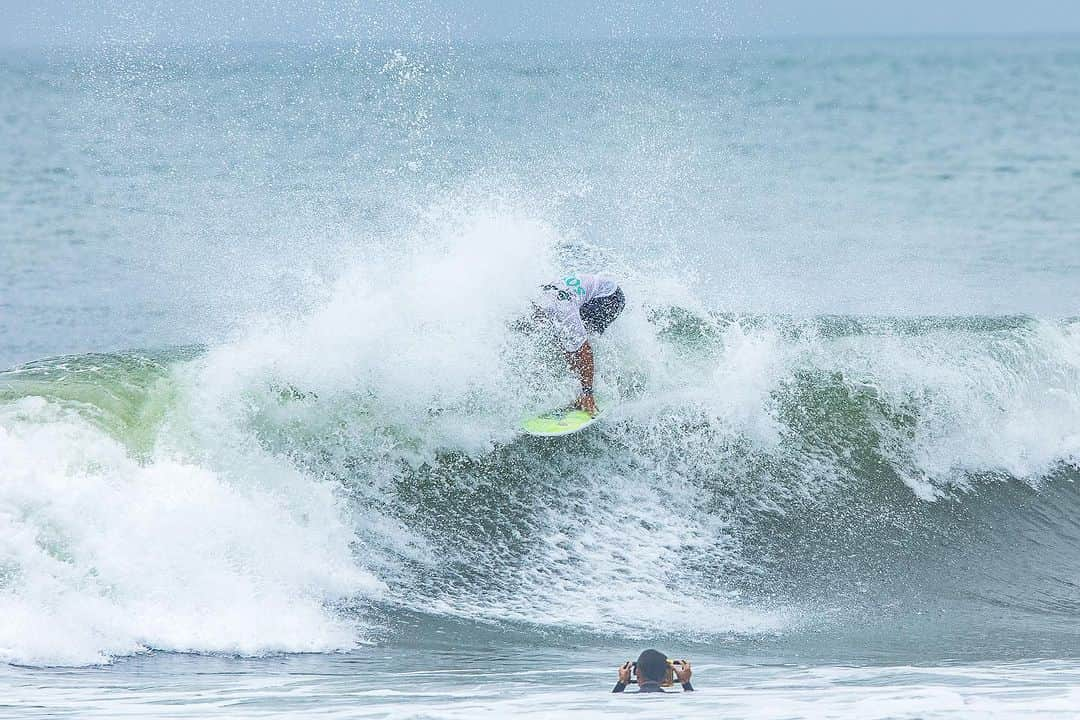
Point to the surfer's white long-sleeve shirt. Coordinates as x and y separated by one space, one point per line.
561 301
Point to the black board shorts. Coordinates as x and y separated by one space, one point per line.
600 312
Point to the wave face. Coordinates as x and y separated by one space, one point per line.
755 474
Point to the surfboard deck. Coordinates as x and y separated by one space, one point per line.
564 421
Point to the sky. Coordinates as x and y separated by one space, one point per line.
64 22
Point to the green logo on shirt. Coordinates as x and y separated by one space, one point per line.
572 283
575 284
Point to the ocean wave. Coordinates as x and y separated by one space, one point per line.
258 495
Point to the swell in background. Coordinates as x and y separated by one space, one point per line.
893 177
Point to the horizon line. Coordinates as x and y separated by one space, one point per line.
510 40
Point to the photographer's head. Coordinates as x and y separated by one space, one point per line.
653 672
652 666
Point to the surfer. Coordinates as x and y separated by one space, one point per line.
577 306
652 669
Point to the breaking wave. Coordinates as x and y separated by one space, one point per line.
271 493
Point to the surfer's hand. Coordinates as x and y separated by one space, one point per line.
586 403
624 673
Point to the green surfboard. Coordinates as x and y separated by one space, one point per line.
563 421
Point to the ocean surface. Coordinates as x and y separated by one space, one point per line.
258 312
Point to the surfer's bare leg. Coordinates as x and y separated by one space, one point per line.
581 362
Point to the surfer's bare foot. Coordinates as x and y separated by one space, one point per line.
587 403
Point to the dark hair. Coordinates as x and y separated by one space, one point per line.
652 665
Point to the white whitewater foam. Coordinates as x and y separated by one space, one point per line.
1005 402
575 686
106 555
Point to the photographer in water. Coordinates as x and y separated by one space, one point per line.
653 672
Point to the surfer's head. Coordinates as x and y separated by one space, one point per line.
652 666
